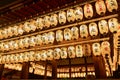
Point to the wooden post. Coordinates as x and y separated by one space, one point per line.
69 68
54 70
99 65
45 74
1 70
85 58
25 70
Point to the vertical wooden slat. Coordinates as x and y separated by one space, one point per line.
25 70
69 68
54 70
99 65
1 70
45 74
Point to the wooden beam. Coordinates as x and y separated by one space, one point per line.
54 70
1 70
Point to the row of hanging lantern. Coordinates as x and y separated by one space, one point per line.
62 17
57 53
67 34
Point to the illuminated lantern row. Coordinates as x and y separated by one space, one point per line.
60 35
57 53
62 17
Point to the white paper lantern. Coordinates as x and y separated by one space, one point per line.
15 58
103 26
54 20
31 55
11 43
3 59
74 33
87 50
79 51
15 44
37 56
32 41
62 17
21 43
70 15
27 27
39 39
56 54
111 5
6 46
46 21
39 23
96 49
59 35
32 25
11 58
88 10
15 30
26 56
21 57
78 13
63 53
113 25
1 35
49 54
105 48
43 55
67 34
45 38
51 37
20 29
93 29
9 30
71 52
100 7
4 33
25 42
83 31
2 46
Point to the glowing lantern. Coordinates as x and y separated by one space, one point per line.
21 57
49 54
111 5
78 13
103 26
6 46
59 36
27 27
9 30
25 42
4 33
79 51
37 56
62 17
105 48
11 58
15 30
21 43
70 15
32 25
88 10
83 31
71 52
87 50
93 29
15 45
39 23
96 49
32 40
26 56
74 33
15 58
2 46
57 52
43 55
63 53
54 20
51 37
100 7
45 38
39 40
46 21
113 25
20 29
3 59
1 35
67 34
7 58
31 55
